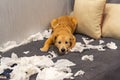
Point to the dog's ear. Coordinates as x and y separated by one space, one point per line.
53 23
74 21
54 38
72 41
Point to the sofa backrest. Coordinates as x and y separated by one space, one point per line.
113 1
21 18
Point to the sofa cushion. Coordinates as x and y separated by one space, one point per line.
111 23
89 15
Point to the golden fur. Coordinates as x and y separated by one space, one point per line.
62 36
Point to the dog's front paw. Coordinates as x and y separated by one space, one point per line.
43 49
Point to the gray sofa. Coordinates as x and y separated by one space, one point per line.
106 65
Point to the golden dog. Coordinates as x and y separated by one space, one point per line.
62 36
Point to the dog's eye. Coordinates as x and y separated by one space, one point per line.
59 42
66 42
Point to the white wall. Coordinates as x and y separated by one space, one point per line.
21 18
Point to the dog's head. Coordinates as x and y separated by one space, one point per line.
64 43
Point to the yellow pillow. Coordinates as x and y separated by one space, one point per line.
89 15
111 23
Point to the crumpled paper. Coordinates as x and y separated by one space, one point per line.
35 37
44 66
79 47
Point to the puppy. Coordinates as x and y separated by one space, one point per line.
62 36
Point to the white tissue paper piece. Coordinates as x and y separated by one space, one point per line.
101 41
38 36
14 56
52 74
79 73
40 61
47 33
87 57
2 67
86 41
35 37
52 54
6 61
111 45
44 66
23 72
26 52
79 47
98 47
8 45
64 63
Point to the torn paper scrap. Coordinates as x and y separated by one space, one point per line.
44 66
8 45
41 61
2 68
53 54
87 57
23 72
98 47
35 37
111 45
79 47
26 52
14 56
64 63
86 41
47 33
79 73
52 74
101 41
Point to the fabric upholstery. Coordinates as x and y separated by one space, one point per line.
103 67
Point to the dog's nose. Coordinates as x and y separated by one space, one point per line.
63 50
